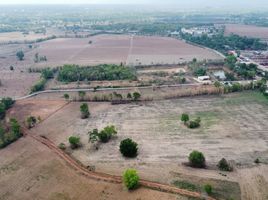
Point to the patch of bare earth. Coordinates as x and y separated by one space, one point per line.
247 30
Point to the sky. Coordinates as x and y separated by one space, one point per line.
201 2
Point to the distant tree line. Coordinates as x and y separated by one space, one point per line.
223 43
72 73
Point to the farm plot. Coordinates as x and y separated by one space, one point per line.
158 50
116 49
232 126
247 30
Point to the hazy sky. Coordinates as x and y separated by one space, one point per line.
201 2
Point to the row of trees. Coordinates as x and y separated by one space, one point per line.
72 73
223 43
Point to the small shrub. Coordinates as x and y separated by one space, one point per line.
104 136
197 159
31 121
223 165
66 96
62 146
74 141
257 161
128 148
193 124
208 189
84 111
131 179
20 55
136 96
185 118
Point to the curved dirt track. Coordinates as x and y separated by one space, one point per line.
107 177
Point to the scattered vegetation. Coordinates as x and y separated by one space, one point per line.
129 148
104 135
131 179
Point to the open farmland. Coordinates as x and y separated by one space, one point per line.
116 49
164 142
247 30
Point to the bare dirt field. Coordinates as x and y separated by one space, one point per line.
247 30
233 126
120 48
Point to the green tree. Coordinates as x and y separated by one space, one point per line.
185 118
131 179
74 142
84 111
8 102
136 96
223 165
197 159
129 148
20 55
66 97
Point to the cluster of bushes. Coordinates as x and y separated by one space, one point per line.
72 73
39 86
247 71
190 123
48 73
103 136
11 134
5 104
200 71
